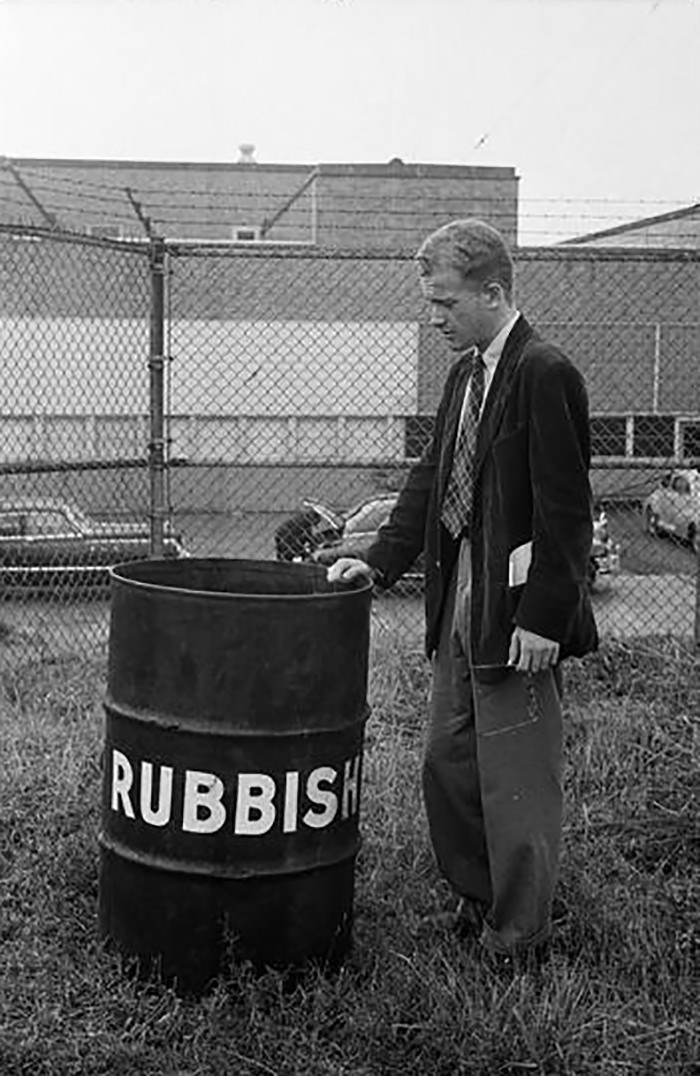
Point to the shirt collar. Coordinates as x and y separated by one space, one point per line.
495 349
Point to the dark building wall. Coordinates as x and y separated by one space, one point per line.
201 201
41 277
629 320
319 286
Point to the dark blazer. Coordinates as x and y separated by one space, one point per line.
531 484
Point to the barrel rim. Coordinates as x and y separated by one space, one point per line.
219 872
180 724
119 575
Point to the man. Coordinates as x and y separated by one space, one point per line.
501 504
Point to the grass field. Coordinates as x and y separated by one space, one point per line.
619 996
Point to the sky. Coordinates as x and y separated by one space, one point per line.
595 103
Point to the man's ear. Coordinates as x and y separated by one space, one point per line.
494 294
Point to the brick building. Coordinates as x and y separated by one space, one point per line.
346 206
294 322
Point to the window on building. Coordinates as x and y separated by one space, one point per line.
690 446
245 234
653 435
608 435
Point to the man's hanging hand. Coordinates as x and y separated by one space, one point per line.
530 652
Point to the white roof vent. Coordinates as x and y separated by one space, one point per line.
247 150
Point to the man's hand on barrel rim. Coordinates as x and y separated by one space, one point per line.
350 570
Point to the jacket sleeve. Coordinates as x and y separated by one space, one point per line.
562 527
402 538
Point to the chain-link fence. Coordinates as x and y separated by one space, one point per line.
74 422
298 385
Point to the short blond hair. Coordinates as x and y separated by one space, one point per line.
475 249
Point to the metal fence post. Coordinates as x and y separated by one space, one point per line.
156 366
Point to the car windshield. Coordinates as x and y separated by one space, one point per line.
328 515
369 517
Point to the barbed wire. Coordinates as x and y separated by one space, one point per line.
198 191
116 191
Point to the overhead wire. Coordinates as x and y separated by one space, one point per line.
117 191
221 201
598 79
567 51
549 217
547 73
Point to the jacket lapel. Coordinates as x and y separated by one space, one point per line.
499 390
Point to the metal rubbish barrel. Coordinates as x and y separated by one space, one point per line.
235 712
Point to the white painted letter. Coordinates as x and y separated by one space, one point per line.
351 787
324 797
255 811
291 801
122 780
161 815
203 792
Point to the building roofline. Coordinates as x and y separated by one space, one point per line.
635 225
399 170
394 169
188 166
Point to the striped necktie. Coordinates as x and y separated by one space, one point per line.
456 506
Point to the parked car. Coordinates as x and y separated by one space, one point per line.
674 508
358 531
49 547
323 535
302 533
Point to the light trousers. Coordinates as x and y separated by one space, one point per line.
492 782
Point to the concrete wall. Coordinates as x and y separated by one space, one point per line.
300 358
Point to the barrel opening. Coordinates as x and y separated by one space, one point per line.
212 575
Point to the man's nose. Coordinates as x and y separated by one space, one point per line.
436 317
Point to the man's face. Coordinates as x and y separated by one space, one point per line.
458 308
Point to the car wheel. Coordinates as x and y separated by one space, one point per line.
694 539
294 537
651 522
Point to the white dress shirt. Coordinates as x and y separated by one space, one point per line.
490 356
